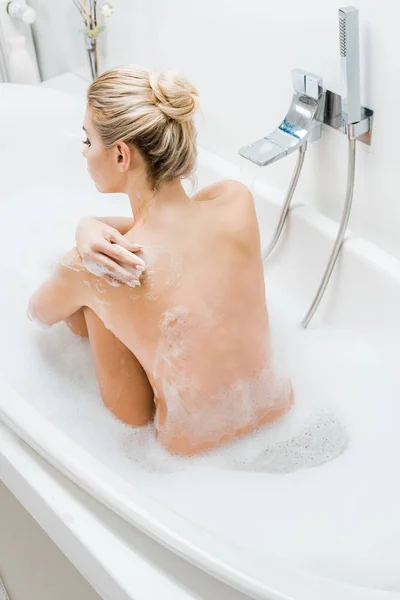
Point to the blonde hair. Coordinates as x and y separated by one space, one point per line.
152 110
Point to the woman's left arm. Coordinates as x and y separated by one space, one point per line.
62 294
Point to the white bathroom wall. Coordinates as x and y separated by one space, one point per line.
59 42
239 53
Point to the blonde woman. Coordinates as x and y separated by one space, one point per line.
178 326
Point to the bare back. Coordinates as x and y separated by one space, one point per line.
198 324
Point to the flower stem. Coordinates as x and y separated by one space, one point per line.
96 62
93 11
89 15
86 13
96 31
78 6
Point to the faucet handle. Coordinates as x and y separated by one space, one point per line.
307 83
313 85
299 80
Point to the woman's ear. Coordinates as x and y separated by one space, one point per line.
123 156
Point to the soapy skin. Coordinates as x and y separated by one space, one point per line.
189 347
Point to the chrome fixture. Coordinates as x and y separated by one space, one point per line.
349 64
303 117
287 201
351 165
302 123
310 107
356 122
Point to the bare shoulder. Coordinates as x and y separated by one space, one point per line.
226 190
234 188
236 218
237 195
235 201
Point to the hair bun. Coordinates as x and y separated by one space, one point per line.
173 94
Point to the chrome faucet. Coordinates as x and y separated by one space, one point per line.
355 122
311 106
302 123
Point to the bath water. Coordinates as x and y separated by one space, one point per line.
318 488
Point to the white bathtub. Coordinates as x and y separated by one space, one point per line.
327 532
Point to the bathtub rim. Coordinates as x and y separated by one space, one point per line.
203 549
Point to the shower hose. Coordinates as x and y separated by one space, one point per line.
343 224
351 166
288 199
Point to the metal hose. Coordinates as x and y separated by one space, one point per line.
286 204
340 236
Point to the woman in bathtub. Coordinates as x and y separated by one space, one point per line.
184 340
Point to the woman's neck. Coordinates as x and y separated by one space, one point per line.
147 204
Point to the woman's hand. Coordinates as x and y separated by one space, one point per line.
107 253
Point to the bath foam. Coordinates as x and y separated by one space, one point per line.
321 438
99 270
152 255
170 358
100 287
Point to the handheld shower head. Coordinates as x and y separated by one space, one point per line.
350 64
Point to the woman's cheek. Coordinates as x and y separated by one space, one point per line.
90 169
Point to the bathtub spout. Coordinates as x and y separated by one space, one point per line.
303 122
301 125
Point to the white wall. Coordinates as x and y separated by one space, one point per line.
239 53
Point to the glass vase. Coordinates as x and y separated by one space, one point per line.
92 50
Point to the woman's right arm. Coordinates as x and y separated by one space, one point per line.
98 242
